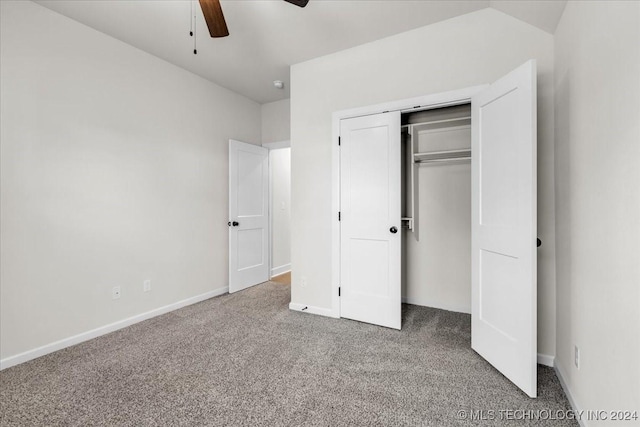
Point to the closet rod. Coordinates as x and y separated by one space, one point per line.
450 153
448 159
441 156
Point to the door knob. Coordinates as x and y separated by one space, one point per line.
234 223
394 230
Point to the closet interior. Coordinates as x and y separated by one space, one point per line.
436 208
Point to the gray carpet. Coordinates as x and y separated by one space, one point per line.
245 359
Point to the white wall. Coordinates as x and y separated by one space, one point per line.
114 170
465 51
276 121
597 82
280 170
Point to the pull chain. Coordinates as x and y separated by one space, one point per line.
195 30
191 17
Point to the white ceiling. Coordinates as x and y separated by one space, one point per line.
267 36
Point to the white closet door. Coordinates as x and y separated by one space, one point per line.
370 236
248 215
504 291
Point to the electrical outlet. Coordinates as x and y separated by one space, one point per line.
576 355
115 292
146 285
303 282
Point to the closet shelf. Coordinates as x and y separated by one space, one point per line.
442 156
466 120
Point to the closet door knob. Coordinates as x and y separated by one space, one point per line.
235 223
394 230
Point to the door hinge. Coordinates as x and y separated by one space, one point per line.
339 216
339 141
338 290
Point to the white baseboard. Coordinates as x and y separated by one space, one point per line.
546 360
276 271
103 330
448 307
560 372
313 310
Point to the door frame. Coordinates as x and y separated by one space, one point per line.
443 99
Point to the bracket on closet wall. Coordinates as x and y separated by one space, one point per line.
410 221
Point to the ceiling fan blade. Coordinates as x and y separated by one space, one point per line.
215 19
301 3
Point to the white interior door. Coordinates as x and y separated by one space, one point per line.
504 283
370 237
248 215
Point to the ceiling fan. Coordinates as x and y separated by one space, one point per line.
215 19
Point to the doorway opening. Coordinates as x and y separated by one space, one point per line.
280 211
259 214
436 208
